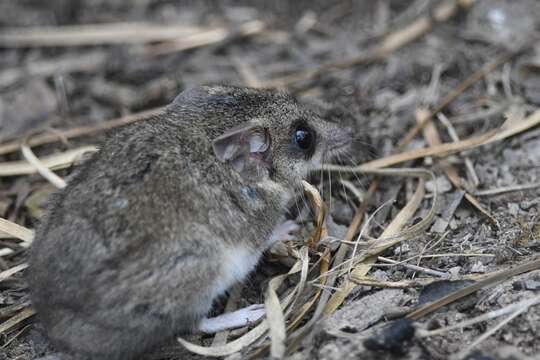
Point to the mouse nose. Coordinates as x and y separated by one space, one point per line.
340 134
339 139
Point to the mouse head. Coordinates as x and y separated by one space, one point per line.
275 137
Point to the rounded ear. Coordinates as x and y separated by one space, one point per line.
242 146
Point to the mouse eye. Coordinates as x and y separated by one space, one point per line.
304 137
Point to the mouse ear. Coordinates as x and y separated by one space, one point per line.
239 145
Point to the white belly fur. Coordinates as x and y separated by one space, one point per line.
237 264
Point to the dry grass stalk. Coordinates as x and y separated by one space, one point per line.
485 283
418 282
389 44
89 62
6 274
276 319
507 189
375 246
414 267
469 166
513 310
41 168
431 134
54 162
14 337
442 13
343 248
15 320
523 307
95 34
446 149
317 204
403 284
17 231
203 38
292 311
15 145
5 251
458 90
363 268
326 279
442 150
309 304
516 127
524 304
274 311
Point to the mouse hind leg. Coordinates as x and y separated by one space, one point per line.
232 320
85 338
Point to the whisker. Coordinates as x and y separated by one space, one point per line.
322 175
361 181
340 173
329 189
297 206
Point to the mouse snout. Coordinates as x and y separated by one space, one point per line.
339 140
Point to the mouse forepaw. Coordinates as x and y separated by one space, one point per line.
284 232
232 320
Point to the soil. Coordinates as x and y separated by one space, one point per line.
63 87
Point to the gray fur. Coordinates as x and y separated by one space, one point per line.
130 252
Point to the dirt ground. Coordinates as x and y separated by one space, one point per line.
305 47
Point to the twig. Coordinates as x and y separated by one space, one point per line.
359 237
368 257
454 136
55 161
507 189
324 306
13 146
403 284
86 62
343 248
415 268
462 354
352 188
17 231
23 315
11 271
524 304
480 115
428 256
95 34
442 150
390 43
433 138
14 337
488 282
204 38
43 170
458 90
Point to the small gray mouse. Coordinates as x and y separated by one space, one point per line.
168 215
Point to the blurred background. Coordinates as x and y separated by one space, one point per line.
135 55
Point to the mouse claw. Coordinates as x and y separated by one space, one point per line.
232 320
284 232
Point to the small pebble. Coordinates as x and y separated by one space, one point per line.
513 209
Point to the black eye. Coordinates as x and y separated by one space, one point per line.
304 137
